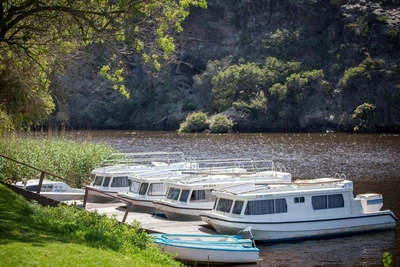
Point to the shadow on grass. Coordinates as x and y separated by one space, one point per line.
16 224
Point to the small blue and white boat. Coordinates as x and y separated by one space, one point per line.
203 248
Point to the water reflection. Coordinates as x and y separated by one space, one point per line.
356 250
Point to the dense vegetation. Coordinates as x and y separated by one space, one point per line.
32 235
72 158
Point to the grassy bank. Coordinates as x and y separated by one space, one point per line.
70 157
32 235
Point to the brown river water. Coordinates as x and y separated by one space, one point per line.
372 161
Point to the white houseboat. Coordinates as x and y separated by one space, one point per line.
147 187
56 190
300 210
186 199
112 176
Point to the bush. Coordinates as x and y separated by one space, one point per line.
220 124
365 114
194 122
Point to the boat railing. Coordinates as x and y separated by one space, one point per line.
236 165
252 187
142 158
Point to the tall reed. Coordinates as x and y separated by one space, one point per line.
66 155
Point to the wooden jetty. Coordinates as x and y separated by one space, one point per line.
149 222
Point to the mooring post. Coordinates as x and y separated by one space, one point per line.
42 174
85 197
126 212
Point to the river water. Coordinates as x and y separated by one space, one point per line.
372 161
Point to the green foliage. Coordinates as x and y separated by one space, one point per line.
365 114
71 159
83 238
236 83
354 73
387 259
220 124
194 122
351 75
37 40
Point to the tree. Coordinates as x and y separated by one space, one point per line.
365 115
37 37
238 83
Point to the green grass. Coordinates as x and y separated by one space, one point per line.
32 235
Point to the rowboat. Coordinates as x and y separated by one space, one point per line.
208 248
303 209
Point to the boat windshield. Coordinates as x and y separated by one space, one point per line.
143 189
173 193
98 180
224 204
135 187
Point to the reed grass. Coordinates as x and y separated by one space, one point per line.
68 155
32 235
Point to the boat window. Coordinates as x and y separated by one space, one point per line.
135 187
237 207
202 196
266 206
143 188
98 180
47 188
122 181
184 195
158 189
224 204
280 205
327 202
106 181
335 201
32 188
299 200
173 193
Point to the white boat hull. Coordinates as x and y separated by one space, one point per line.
140 204
64 196
270 231
181 212
213 255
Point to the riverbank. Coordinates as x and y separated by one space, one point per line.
29 237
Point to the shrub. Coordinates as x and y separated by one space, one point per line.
194 122
220 124
365 114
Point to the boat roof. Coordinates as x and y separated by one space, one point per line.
296 187
218 180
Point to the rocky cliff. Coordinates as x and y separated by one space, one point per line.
355 43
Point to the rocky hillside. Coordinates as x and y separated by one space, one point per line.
356 45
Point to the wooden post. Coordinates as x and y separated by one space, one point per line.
85 197
42 174
126 212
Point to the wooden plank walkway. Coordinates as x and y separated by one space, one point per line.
151 223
